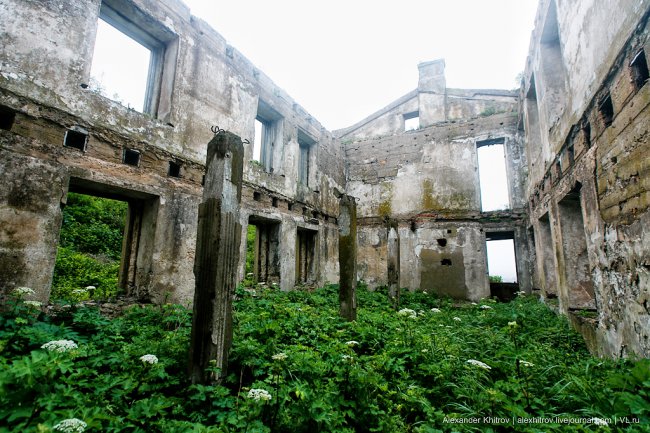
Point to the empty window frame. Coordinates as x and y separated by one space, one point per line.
493 176
133 60
76 138
305 143
268 134
639 66
552 83
606 110
412 121
7 118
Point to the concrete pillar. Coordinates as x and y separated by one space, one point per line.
348 257
217 256
393 263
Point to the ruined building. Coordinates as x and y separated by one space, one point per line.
574 140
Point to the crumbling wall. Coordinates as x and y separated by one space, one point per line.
45 92
427 180
588 193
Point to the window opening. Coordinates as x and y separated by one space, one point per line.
493 177
122 68
412 121
7 118
639 69
76 139
268 132
606 110
305 144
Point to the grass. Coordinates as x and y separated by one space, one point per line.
295 366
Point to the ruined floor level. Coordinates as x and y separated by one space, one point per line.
573 140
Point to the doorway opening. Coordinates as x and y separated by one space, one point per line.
90 248
305 256
106 242
502 264
263 251
577 274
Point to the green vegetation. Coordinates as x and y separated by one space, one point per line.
496 279
296 366
251 235
90 246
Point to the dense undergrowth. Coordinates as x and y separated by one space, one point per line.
297 367
90 247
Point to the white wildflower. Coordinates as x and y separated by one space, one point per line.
258 394
479 364
23 291
149 359
458 319
473 303
408 313
79 291
72 425
35 304
60 345
352 343
526 363
435 310
346 357
424 350
485 307
599 421
520 293
279 356
90 287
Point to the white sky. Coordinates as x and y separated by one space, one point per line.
493 178
115 58
345 59
501 259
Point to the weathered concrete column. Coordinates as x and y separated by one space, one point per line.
348 257
217 256
393 263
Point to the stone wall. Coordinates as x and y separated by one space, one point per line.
45 94
427 179
588 167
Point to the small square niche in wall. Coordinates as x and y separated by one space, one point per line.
131 157
174 169
76 139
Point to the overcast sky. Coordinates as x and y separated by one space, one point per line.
345 59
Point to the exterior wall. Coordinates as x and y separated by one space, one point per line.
205 82
427 181
590 172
